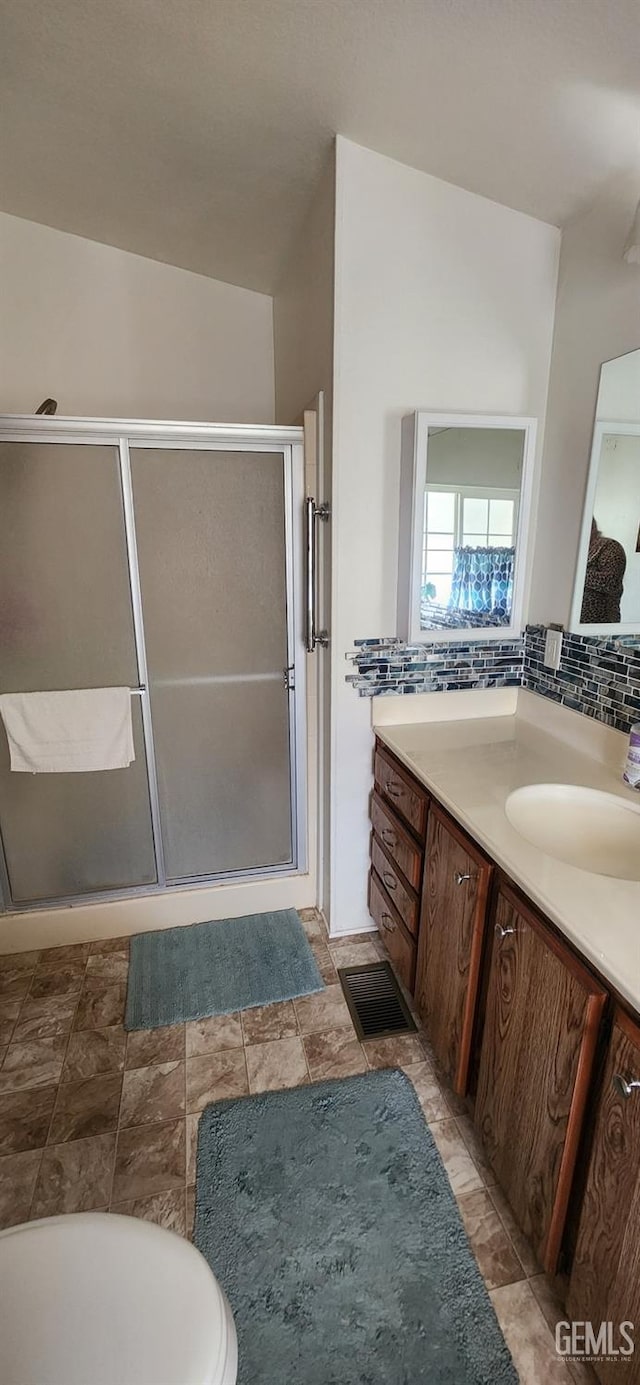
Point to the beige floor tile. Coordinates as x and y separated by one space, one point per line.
111 966
491 1246
165 1045
326 1010
19 961
192 1146
267 1022
400 1051
25 1117
428 1091
149 1159
101 1003
272 1066
43 1026
324 962
212 1034
529 1339
14 984
335 1054
18 1174
85 1108
75 1177
474 1145
353 954
215 1076
72 956
153 1094
94 1051
110 945
191 1211
165 1209
313 924
462 1172
67 981
6 1030
521 1245
10 1009
553 1311
49 1006
35 1063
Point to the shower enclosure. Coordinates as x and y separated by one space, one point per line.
166 558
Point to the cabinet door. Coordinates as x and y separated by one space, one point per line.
454 902
542 1017
605 1278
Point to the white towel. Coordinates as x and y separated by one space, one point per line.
69 732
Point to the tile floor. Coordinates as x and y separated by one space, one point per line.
94 1118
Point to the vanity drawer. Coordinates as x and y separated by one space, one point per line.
408 799
397 842
405 900
402 951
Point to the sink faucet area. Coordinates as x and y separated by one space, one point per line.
595 831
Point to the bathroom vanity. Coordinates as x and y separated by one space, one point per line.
526 973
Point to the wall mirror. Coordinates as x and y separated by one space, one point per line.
465 495
606 597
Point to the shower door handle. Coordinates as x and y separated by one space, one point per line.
314 513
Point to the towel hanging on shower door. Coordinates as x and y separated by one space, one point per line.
78 731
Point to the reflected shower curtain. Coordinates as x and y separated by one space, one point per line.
483 580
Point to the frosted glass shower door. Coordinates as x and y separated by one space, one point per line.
211 537
66 622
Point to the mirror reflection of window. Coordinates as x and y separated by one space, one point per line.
470 525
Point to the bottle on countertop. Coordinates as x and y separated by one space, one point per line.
631 773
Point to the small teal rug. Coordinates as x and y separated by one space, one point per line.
326 1213
206 969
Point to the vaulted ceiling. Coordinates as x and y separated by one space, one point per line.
193 131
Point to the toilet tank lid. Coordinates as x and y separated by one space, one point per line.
98 1297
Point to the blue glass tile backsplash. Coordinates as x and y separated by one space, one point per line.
598 677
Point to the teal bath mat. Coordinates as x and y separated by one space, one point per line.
205 969
327 1215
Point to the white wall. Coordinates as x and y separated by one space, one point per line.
107 333
444 301
303 348
597 318
471 457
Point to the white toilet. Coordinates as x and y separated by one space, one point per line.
98 1299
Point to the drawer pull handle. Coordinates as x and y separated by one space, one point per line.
625 1086
388 837
389 926
389 880
460 878
503 932
394 790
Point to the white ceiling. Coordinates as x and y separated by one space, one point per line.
193 131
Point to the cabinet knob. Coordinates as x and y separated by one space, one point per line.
503 932
460 878
625 1086
389 880
387 923
393 790
388 837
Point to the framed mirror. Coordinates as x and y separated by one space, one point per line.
606 595
465 497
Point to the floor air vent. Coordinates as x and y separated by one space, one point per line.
375 1000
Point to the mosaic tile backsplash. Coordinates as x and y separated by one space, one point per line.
387 667
598 677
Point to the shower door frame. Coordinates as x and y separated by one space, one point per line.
124 434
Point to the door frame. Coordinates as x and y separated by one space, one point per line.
122 434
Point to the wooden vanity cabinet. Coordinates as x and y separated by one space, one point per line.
455 894
605 1276
399 810
542 1015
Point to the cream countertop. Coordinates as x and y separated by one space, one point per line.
473 765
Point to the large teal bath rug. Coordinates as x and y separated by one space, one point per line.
327 1215
205 969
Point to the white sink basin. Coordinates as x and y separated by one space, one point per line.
583 827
